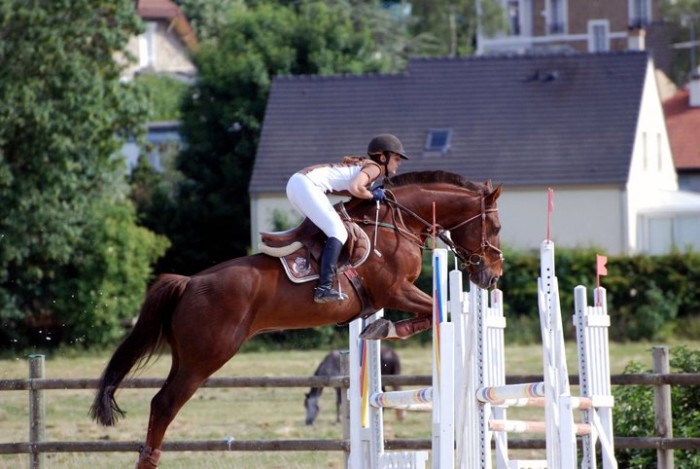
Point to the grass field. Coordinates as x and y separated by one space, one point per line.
243 413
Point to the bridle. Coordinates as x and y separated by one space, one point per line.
467 258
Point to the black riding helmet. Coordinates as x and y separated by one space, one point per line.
383 143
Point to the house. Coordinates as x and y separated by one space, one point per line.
579 25
167 43
163 144
165 48
682 112
590 126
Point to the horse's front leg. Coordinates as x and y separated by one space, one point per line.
408 298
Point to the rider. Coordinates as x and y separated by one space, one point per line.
307 189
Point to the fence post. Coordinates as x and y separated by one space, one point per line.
344 406
662 406
37 411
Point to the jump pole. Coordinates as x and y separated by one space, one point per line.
485 397
367 401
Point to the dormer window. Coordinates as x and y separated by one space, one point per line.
438 140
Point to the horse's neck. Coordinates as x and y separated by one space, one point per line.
448 206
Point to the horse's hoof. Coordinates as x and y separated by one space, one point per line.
148 458
381 329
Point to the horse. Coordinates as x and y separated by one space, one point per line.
205 318
330 366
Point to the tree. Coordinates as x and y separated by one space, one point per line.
683 17
223 114
68 237
454 23
207 17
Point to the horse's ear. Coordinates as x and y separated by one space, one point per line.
493 195
488 185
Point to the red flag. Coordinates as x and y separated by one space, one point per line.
600 262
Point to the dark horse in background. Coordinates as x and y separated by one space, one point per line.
330 366
206 318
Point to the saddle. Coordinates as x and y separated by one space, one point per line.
300 248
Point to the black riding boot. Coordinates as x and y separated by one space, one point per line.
324 292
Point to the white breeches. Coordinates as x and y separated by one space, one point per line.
311 201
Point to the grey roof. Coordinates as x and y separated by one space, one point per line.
518 120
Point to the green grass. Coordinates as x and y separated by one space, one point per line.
242 413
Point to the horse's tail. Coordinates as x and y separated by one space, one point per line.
143 340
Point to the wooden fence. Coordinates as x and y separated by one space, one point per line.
37 447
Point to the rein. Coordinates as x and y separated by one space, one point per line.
468 258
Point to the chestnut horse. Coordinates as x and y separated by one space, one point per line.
206 318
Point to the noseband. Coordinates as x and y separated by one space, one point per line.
467 258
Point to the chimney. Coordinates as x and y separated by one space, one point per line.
636 39
694 88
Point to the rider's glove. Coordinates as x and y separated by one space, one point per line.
378 195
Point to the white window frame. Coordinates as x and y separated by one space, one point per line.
147 45
561 18
520 17
661 232
633 14
593 26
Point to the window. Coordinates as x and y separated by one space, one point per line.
438 140
665 232
598 36
556 17
514 17
147 48
640 13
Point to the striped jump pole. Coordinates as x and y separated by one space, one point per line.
484 396
367 400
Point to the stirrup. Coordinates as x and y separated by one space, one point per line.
328 294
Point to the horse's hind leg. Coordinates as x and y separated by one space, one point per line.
181 384
179 387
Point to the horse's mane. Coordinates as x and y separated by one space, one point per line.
426 177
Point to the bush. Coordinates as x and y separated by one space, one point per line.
649 297
633 414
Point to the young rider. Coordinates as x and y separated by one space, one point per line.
307 191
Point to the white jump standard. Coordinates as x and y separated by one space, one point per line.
469 397
487 397
366 424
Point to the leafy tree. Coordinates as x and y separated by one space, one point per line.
454 23
633 414
165 95
207 17
683 17
67 230
223 115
